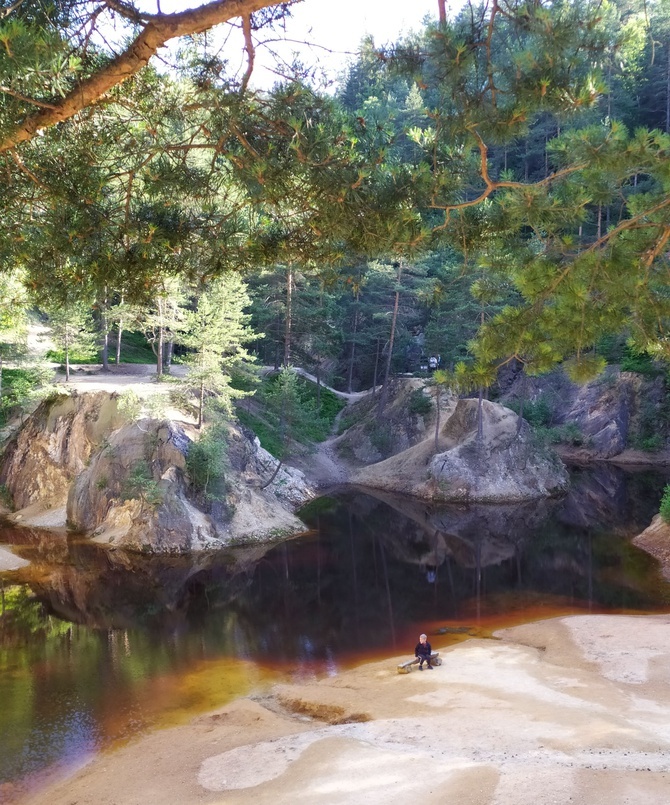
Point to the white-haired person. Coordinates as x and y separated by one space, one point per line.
423 651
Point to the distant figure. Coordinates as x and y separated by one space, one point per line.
423 652
432 363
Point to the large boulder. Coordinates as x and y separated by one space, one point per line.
505 465
125 483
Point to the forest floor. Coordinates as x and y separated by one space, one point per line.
569 710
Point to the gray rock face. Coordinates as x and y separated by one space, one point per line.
611 413
602 411
504 466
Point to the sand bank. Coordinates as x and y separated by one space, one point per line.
570 710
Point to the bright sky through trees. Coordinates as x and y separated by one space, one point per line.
321 33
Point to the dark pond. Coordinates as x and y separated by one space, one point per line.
98 645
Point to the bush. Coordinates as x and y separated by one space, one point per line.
140 484
381 437
206 464
419 403
664 510
18 386
268 436
639 362
537 413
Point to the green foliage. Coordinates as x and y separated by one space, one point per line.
381 437
664 509
140 484
295 406
570 434
639 362
419 403
135 349
206 464
19 387
537 413
268 434
130 405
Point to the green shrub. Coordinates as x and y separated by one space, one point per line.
267 435
347 419
639 362
381 437
664 510
419 403
18 386
651 444
206 464
537 413
140 484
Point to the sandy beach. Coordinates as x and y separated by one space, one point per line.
569 710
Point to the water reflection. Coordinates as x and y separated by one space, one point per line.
95 644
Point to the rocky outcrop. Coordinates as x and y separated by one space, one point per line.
504 466
407 420
54 446
125 483
616 412
655 540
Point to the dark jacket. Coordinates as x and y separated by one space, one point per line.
423 650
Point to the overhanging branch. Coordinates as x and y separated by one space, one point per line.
155 34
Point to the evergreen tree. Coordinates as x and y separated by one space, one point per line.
215 333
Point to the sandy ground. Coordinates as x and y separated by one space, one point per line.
571 710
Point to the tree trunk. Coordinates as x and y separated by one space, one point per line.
667 92
374 379
387 371
442 8
274 474
161 340
353 345
521 400
119 332
169 351
201 404
289 316
104 318
437 415
67 360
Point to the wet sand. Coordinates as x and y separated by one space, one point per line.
568 710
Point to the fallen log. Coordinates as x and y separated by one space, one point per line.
406 667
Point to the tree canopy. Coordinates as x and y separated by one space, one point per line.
516 146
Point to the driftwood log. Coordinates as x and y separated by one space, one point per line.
406 667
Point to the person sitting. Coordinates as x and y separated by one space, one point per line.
423 651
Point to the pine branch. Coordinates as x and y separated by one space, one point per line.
159 30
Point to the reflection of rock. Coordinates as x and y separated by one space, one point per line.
655 540
114 589
476 534
605 496
504 466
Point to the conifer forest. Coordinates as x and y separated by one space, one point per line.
491 189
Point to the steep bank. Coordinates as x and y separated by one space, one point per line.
568 710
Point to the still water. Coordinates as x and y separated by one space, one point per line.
96 646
